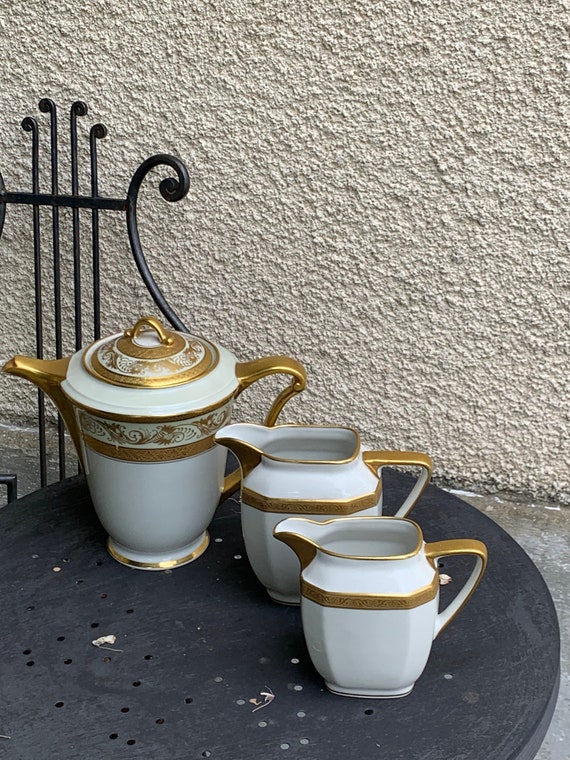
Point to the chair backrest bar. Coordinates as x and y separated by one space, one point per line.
171 188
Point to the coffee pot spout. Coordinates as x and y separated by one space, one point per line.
48 376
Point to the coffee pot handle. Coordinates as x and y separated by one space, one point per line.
450 548
250 372
376 459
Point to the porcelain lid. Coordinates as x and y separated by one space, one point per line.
149 355
150 371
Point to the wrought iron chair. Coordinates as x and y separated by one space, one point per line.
173 188
11 483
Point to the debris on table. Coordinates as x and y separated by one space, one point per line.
444 579
268 697
103 640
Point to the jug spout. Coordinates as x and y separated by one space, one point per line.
48 375
300 535
246 441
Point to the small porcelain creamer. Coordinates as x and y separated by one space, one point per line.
370 595
309 471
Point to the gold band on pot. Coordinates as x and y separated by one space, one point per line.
164 564
311 506
132 454
151 440
371 601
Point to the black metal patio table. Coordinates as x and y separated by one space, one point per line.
205 665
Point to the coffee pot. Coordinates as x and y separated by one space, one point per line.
142 407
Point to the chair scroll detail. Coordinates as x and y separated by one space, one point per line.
172 188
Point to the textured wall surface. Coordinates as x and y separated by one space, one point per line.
378 189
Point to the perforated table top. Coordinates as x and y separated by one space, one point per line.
197 644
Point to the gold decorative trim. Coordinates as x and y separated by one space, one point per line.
157 434
311 506
375 459
370 601
286 538
454 547
150 418
127 346
293 426
249 372
148 323
176 377
165 564
49 375
133 454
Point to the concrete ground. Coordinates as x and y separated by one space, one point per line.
541 528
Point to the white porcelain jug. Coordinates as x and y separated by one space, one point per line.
370 596
142 407
305 470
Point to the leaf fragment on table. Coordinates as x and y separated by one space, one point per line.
444 579
268 697
103 640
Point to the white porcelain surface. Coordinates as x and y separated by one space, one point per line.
91 392
274 564
302 462
156 514
299 464
368 653
372 643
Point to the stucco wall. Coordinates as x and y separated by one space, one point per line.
378 189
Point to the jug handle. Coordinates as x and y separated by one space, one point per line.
376 459
452 548
250 372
